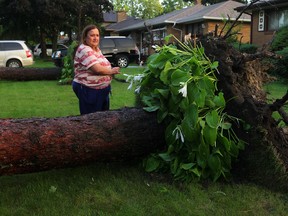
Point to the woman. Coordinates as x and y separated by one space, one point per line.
93 73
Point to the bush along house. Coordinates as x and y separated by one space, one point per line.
267 16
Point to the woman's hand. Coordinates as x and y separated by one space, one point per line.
115 70
100 70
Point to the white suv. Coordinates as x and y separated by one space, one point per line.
38 51
15 53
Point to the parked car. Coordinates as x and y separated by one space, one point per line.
15 53
38 52
120 51
58 56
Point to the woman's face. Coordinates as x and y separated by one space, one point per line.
92 38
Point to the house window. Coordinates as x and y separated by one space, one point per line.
195 28
159 34
277 19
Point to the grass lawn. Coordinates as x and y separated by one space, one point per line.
113 188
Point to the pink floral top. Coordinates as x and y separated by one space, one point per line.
85 57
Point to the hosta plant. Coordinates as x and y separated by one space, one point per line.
179 83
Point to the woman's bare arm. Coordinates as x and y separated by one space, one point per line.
100 70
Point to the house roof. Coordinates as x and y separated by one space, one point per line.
263 4
110 17
119 25
160 20
219 11
192 14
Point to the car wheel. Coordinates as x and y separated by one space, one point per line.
122 61
14 63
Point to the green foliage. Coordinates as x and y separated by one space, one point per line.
281 39
143 9
67 72
246 48
180 85
278 66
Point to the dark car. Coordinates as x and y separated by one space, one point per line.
120 51
58 56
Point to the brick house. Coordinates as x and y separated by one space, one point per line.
197 20
267 16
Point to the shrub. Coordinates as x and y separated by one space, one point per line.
246 48
67 72
281 39
279 65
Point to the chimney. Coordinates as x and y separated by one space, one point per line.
196 2
121 15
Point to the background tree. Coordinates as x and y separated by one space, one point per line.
170 5
204 2
16 20
42 20
145 9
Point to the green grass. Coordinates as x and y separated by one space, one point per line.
113 188
48 99
42 63
276 90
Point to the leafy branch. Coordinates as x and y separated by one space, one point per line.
180 84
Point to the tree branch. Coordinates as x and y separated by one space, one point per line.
278 106
236 20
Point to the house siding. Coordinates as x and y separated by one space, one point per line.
259 38
244 35
264 37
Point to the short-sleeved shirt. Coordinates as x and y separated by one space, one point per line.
85 57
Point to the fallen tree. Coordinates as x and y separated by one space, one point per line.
25 74
36 144
241 77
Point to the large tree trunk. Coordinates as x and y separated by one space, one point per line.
35 144
25 74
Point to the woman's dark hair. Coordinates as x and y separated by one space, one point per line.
85 32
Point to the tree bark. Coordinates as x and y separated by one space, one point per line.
26 74
35 144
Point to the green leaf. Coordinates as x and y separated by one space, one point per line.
200 98
187 166
151 164
179 76
225 125
196 172
165 74
241 145
215 65
161 115
224 142
214 163
169 136
167 38
189 123
184 104
210 135
191 115
234 151
220 100
207 84
151 109
163 92
192 91
166 157
209 103
212 119
204 152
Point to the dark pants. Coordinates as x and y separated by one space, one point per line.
91 100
